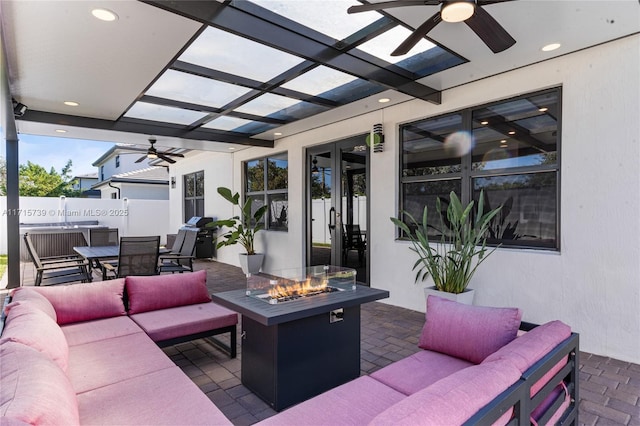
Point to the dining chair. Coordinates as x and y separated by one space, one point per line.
103 237
136 256
57 269
182 259
352 240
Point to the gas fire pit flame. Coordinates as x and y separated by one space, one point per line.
294 290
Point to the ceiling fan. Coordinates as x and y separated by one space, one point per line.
469 11
152 153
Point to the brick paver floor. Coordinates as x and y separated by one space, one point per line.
609 388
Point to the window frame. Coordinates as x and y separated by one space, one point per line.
467 175
195 197
266 192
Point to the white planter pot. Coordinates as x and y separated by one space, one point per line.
465 297
251 264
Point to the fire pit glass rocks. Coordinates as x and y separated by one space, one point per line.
293 284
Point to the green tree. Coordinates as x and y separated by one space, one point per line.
3 176
35 181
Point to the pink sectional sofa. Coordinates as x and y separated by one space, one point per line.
476 367
89 353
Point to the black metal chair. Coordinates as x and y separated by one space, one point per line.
103 237
137 256
182 259
352 240
57 269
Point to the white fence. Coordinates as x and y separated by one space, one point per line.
320 212
131 217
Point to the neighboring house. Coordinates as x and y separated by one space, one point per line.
120 176
84 183
151 183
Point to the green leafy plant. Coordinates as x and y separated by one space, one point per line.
241 229
462 247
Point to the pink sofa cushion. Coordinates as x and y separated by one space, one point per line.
355 403
119 358
180 402
85 302
27 294
165 324
416 372
466 331
28 325
454 399
34 389
80 333
166 291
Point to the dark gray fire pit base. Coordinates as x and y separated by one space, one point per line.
296 350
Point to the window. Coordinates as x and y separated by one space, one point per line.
193 195
266 183
102 172
509 149
117 161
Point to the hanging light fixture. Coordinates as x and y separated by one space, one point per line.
314 169
457 11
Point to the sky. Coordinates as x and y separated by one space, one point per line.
51 151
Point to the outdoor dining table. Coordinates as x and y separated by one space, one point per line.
98 253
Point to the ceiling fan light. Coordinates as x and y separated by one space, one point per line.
152 155
457 11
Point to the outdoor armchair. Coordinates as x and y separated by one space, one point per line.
182 259
57 269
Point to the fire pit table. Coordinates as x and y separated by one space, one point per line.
300 331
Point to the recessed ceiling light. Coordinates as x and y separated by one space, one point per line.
277 134
550 47
71 103
61 131
104 15
231 148
543 109
383 100
484 123
512 132
503 141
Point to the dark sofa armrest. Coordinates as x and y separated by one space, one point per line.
517 396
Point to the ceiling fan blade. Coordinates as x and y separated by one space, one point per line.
418 34
141 159
172 154
490 31
389 4
165 158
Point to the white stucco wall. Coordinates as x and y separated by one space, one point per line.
593 284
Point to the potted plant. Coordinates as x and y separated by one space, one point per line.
242 230
461 249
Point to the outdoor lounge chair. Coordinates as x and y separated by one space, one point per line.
137 256
180 260
57 269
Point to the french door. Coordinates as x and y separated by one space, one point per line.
337 207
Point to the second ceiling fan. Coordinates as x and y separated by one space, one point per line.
468 11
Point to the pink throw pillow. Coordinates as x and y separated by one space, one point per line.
29 326
466 331
85 302
27 294
166 291
34 389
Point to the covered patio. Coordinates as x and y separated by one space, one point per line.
193 75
